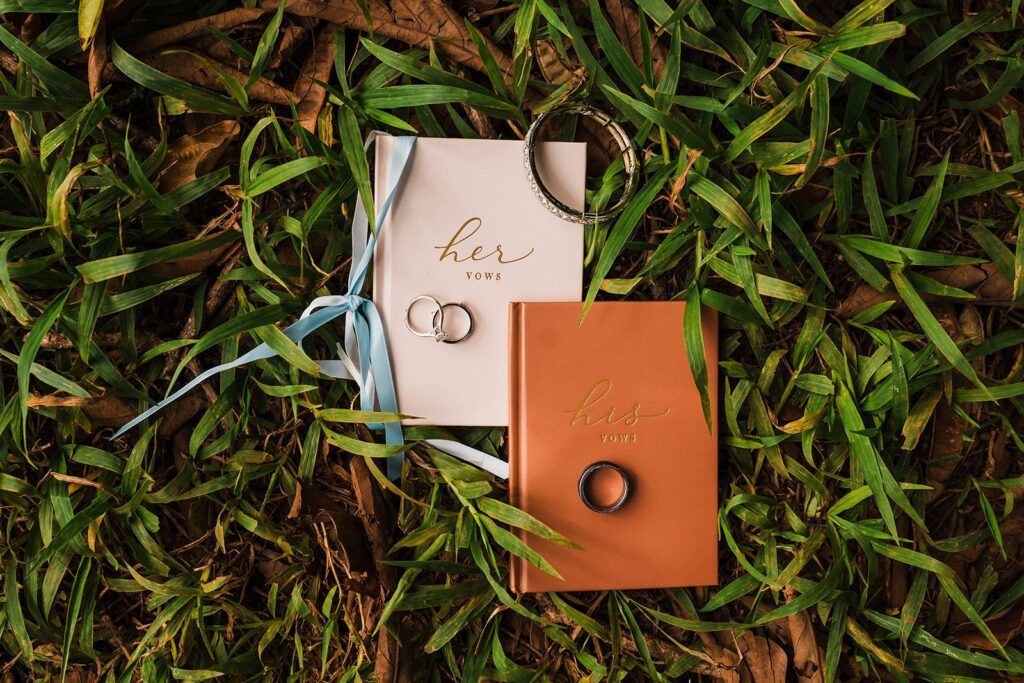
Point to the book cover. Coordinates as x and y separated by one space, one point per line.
466 228
619 389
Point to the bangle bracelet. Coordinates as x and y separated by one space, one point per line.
552 203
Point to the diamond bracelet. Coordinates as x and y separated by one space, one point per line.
552 203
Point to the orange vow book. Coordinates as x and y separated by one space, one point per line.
613 398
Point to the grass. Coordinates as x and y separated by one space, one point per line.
840 181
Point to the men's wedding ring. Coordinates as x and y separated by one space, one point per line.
439 320
437 327
587 496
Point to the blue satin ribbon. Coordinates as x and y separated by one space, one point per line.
363 324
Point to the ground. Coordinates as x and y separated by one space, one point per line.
840 181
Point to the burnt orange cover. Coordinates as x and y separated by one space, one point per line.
616 388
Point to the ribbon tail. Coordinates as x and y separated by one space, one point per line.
383 383
489 463
296 332
260 352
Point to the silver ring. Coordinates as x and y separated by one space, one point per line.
437 332
552 203
439 320
589 472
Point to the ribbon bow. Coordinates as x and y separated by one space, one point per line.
365 357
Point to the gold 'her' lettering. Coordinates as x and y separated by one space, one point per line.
478 252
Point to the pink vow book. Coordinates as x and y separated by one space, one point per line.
465 228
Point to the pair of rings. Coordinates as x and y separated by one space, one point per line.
584 486
629 160
437 330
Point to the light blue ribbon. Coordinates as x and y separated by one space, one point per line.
363 325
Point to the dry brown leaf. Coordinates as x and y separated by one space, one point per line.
57 401
720 648
291 38
1004 625
217 49
176 415
984 281
310 94
75 482
198 28
626 23
187 265
105 340
680 182
807 661
386 663
80 676
191 156
296 507
764 660
107 411
949 425
31 27
390 664
971 325
553 66
110 411
422 23
98 58
376 518
191 68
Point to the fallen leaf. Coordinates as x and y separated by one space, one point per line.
76 482
376 517
310 94
949 425
291 38
764 659
191 156
985 281
102 411
187 265
176 415
807 661
201 71
422 23
197 28
99 57
296 507
1004 625
626 23
555 69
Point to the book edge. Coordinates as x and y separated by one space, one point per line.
516 575
381 171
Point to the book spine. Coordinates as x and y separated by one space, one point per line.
515 444
381 268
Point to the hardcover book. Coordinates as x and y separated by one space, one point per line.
615 389
466 228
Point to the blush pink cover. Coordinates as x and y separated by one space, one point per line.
465 227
